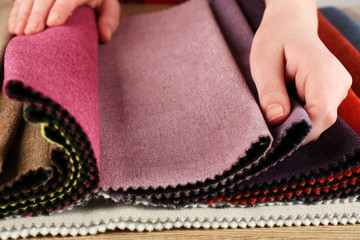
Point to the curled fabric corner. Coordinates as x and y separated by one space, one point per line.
59 65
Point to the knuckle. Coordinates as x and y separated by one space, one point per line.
348 80
329 118
268 90
22 17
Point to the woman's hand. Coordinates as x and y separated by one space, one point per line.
31 16
287 48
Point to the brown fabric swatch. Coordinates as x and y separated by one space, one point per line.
10 117
10 112
29 151
4 36
22 148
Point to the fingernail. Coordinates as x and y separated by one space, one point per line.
31 28
274 111
53 17
107 34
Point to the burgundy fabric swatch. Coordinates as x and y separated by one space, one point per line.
174 107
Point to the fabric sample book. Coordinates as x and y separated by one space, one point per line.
164 120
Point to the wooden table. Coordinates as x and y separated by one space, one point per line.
313 232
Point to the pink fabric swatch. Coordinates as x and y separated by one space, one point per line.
174 107
61 63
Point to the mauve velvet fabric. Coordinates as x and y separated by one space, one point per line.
53 63
298 113
174 107
344 23
239 37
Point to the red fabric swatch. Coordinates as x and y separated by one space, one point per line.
350 58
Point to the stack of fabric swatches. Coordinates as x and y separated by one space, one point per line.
161 128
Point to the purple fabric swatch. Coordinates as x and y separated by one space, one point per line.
253 10
331 148
232 14
174 107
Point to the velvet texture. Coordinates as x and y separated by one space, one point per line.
176 124
188 131
285 180
344 23
349 110
73 174
136 101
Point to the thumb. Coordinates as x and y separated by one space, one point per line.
109 17
267 69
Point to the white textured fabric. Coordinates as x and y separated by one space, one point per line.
101 215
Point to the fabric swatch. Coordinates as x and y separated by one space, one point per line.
342 49
128 102
67 56
344 23
4 36
306 161
101 215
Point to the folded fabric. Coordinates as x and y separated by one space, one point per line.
101 215
60 63
24 154
344 23
353 12
191 115
178 122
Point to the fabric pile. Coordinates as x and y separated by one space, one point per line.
161 128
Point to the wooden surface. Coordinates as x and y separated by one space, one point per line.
312 232
321 232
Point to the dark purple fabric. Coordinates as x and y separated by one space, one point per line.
253 10
238 35
332 148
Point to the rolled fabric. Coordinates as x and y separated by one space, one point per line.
55 73
344 24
